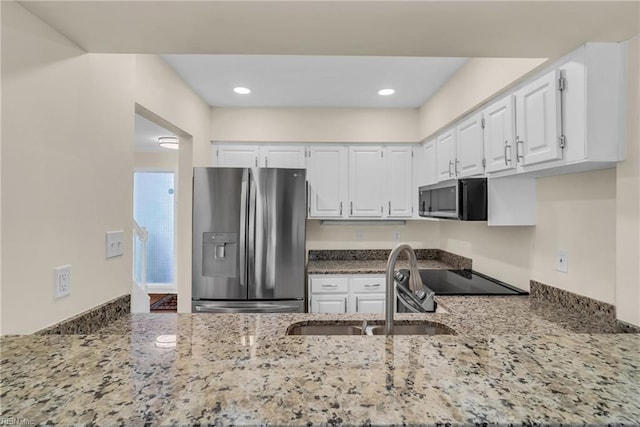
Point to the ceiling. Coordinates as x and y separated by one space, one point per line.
535 29
147 134
313 81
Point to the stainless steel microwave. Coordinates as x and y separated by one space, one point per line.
462 199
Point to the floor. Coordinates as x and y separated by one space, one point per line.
153 298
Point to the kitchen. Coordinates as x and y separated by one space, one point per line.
517 255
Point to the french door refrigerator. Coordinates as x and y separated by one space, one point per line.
248 240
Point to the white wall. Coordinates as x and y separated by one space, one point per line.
158 161
161 95
418 234
314 125
628 201
67 156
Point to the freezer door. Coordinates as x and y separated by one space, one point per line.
219 232
276 236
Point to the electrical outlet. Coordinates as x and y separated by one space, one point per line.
396 236
562 261
359 235
62 281
114 243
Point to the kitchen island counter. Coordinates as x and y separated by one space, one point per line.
514 360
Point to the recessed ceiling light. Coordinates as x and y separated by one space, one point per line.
168 142
386 92
242 90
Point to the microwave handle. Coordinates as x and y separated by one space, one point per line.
462 208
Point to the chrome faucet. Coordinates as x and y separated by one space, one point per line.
416 282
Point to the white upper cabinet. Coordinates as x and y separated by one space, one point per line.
399 179
282 156
469 147
236 156
445 155
327 177
427 169
499 135
538 120
366 181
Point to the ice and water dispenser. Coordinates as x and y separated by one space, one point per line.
219 254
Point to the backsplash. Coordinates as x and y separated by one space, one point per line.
91 320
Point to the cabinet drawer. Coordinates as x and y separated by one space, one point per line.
329 284
368 284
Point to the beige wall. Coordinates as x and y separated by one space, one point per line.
628 201
314 125
160 161
67 156
419 234
473 84
162 96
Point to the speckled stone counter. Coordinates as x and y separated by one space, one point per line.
514 360
374 261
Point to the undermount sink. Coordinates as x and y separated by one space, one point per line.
368 328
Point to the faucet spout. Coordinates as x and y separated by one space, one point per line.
390 281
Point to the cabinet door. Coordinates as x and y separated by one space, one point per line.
538 121
368 303
499 135
366 179
469 147
329 303
282 156
236 156
327 177
399 181
445 145
428 170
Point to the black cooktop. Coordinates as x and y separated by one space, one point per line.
465 282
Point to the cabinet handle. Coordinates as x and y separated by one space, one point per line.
372 285
357 300
266 162
325 285
389 207
507 157
450 164
457 163
350 208
518 156
256 161
340 208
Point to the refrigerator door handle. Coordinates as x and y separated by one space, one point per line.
251 238
267 308
243 228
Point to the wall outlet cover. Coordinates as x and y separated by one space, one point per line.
62 281
359 235
396 236
562 261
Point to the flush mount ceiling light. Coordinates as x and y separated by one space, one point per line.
386 92
169 142
242 90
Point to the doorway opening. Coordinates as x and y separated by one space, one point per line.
154 209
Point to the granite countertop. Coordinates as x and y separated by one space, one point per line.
514 360
375 261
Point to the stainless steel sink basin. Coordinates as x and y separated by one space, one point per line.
417 329
324 329
368 328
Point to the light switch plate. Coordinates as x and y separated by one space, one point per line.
114 243
562 261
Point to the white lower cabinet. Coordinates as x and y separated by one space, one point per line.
355 293
329 304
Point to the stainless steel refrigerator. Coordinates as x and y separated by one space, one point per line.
248 240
